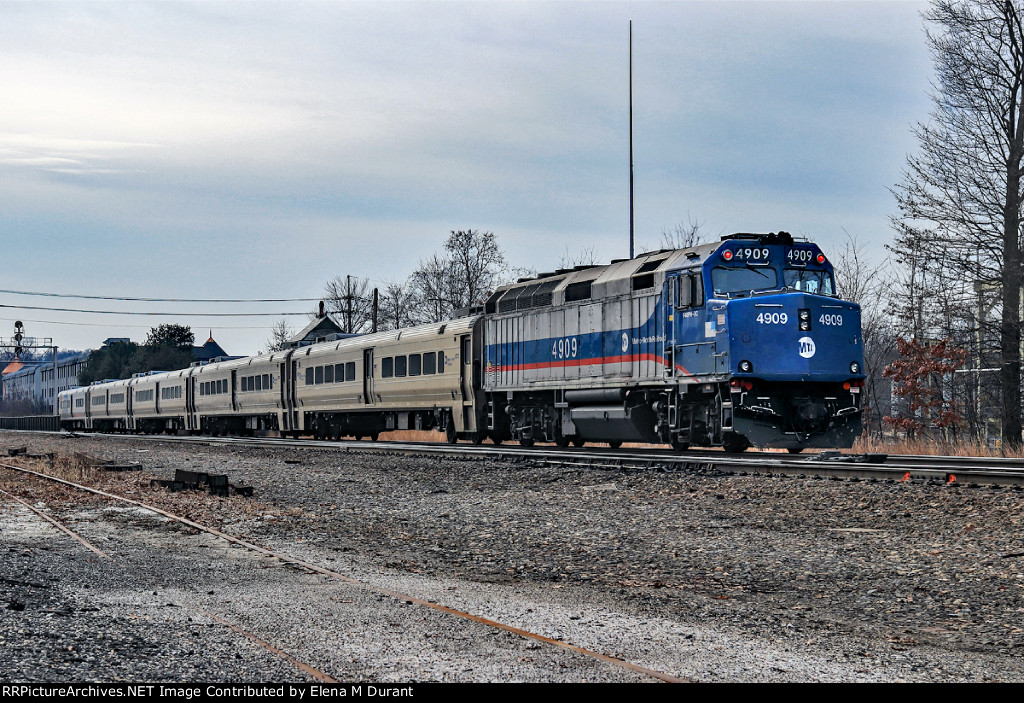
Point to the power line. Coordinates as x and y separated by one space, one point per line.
110 325
158 314
164 300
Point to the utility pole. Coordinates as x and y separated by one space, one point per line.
631 139
375 303
348 303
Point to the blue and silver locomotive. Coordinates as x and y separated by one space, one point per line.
738 343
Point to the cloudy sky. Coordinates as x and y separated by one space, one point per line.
256 149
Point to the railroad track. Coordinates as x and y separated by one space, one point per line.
830 465
286 560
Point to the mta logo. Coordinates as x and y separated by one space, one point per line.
806 347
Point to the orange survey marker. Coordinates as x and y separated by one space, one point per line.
951 479
906 477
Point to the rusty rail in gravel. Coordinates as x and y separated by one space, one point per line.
315 673
67 530
290 561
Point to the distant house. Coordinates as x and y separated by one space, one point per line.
320 329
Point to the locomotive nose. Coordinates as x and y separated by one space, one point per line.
795 337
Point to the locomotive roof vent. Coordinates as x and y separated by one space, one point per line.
771 238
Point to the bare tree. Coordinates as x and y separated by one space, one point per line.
478 266
468 271
585 257
960 198
350 300
280 333
683 235
868 283
399 306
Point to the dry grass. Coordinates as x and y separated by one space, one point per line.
64 466
866 444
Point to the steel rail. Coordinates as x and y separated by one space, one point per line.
954 470
67 530
315 673
1000 470
291 561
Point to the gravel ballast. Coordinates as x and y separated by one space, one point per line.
702 576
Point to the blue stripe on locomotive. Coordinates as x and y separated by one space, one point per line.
607 346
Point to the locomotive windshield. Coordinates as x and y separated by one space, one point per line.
743 280
819 282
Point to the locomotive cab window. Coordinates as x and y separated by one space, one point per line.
819 282
743 280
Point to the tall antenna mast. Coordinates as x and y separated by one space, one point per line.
631 139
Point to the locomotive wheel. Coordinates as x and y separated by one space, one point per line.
560 439
496 441
526 442
794 450
374 436
615 445
477 437
578 441
734 443
449 432
680 446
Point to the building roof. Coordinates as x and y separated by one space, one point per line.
208 351
317 328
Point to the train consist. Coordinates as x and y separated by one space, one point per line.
736 343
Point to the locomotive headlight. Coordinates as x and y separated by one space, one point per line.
746 367
854 367
804 316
